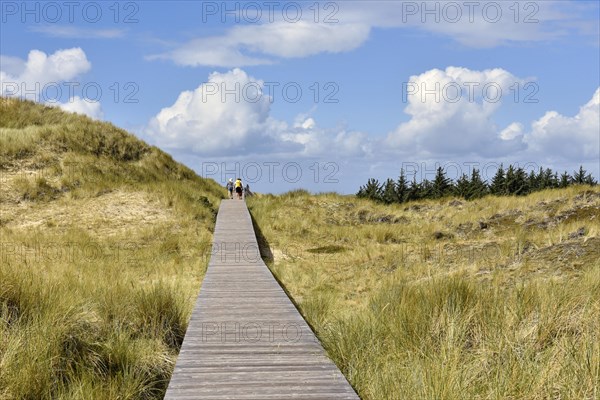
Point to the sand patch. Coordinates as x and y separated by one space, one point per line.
111 214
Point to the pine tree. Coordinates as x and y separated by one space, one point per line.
520 187
516 181
554 180
442 185
372 190
512 181
547 179
426 189
579 176
565 180
498 186
534 181
477 187
510 184
414 191
401 187
462 187
389 192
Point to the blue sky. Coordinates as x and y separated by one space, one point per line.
162 66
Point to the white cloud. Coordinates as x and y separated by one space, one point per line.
72 32
451 114
253 44
41 69
512 131
204 122
24 78
473 24
575 138
478 24
444 126
11 65
82 106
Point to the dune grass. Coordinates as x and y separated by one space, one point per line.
104 242
492 299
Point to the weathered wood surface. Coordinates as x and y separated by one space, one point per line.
246 340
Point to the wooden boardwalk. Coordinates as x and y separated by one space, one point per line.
246 340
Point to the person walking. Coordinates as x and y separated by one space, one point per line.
239 188
230 188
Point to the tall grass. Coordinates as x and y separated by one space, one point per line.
94 304
421 301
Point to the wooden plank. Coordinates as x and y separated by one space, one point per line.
245 339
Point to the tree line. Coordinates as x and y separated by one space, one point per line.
506 182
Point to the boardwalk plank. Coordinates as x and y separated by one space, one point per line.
245 339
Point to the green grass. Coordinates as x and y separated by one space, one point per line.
418 301
103 249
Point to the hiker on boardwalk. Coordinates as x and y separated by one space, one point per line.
239 188
247 191
230 188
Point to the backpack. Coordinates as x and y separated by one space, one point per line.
238 184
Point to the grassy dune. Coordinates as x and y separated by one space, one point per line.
498 298
103 242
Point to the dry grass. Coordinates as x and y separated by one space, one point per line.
104 242
491 299
103 247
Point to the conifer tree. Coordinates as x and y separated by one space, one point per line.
547 179
426 190
442 185
498 186
389 192
533 180
579 176
512 181
401 187
462 187
520 187
565 180
414 191
372 190
554 181
477 187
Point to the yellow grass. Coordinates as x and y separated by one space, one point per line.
104 242
420 301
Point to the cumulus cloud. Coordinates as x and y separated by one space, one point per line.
27 78
40 68
82 106
210 120
252 44
575 138
11 65
205 120
451 114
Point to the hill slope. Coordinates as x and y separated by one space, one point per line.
103 247
496 298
